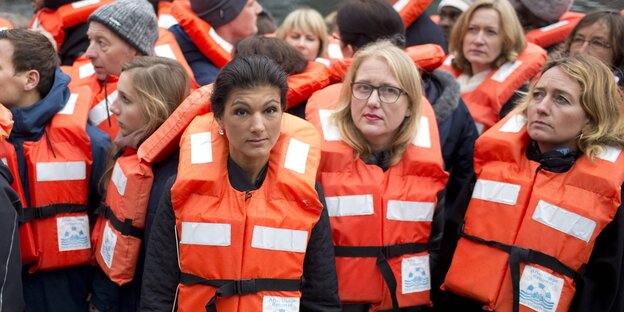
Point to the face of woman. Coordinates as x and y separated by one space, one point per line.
555 116
127 106
593 40
378 117
306 42
483 42
252 120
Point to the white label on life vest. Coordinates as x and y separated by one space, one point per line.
449 60
505 70
514 124
280 304
166 21
3 28
109 241
119 179
410 211
209 234
84 3
68 109
86 70
540 290
98 113
498 192
415 275
73 233
609 153
399 5
350 205
4 161
555 25
330 130
334 51
201 148
61 171
423 139
165 50
297 156
220 41
564 221
279 239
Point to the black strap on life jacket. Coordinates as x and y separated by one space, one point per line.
383 253
228 288
30 214
519 254
124 227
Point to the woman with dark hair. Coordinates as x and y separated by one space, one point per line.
242 227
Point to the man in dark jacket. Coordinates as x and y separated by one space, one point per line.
35 90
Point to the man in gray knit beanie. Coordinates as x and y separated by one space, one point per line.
535 14
119 32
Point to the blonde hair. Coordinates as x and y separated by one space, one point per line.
406 73
600 99
512 35
305 19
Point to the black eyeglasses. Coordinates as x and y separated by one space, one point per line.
595 43
387 94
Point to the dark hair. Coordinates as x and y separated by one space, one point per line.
614 22
265 23
286 56
361 22
32 50
247 72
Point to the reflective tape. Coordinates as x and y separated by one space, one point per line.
351 205
209 234
166 21
423 137
61 171
98 113
330 130
506 70
119 179
514 124
498 192
165 50
279 239
564 221
68 109
86 70
83 3
410 211
297 156
201 148
609 153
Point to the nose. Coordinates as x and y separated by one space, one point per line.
301 41
90 52
585 47
257 7
543 106
257 123
374 100
479 37
115 107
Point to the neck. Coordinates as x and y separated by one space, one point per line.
28 99
226 34
251 167
379 144
477 69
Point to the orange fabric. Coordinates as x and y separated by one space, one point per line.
412 10
486 101
482 272
418 177
558 32
69 15
286 200
200 33
301 86
6 122
5 24
40 238
167 46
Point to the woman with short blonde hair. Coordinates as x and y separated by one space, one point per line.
305 29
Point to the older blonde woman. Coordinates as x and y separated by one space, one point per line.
543 229
381 171
491 59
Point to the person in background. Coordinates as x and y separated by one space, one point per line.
544 226
535 14
449 11
491 59
56 158
269 220
11 297
419 28
305 29
600 34
208 32
150 89
265 23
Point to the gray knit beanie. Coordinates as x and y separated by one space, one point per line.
134 21
549 11
217 12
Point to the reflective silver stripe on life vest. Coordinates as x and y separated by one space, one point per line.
209 234
514 124
201 148
330 130
279 239
564 220
410 211
499 192
119 179
68 109
423 136
61 171
98 113
350 205
297 156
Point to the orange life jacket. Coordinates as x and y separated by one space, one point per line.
55 232
69 15
528 232
167 46
119 229
5 24
248 246
302 85
6 122
486 101
426 57
215 48
555 33
410 10
389 260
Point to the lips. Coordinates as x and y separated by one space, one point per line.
257 141
540 124
372 117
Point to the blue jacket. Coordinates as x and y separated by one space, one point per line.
204 70
11 298
64 289
423 30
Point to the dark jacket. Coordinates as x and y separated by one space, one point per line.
599 288
11 298
108 296
204 70
161 273
64 289
423 30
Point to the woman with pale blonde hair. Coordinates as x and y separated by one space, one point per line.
543 228
305 30
381 171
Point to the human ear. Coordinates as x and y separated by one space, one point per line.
32 80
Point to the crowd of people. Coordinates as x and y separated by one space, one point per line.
199 155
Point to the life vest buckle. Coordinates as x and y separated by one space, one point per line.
245 286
